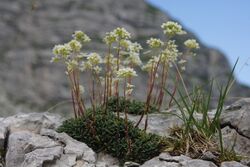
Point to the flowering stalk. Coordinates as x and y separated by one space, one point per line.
117 81
124 74
162 85
174 91
152 77
107 85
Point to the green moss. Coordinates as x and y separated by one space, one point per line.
107 134
132 106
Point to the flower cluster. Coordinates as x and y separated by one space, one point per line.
133 51
116 68
81 37
129 89
117 34
191 44
126 73
108 73
171 29
154 43
171 52
61 52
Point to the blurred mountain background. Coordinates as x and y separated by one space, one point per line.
30 29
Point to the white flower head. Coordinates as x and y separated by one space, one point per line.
155 43
81 37
126 73
129 89
191 44
171 29
110 38
71 65
182 61
62 51
122 33
55 59
171 53
94 59
134 47
133 59
75 45
97 69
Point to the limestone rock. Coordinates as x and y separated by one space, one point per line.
236 128
232 164
72 146
39 157
33 142
33 122
23 146
157 123
233 139
197 163
131 164
237 116
165 160
105 159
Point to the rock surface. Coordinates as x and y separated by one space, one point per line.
158 123
31 28
236 131
33 142
232 164
165 160
237 116
30 140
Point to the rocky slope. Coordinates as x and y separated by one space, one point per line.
33 142
29 29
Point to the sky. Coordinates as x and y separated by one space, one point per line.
221 24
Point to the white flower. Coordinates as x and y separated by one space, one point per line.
81 37
126 72
94 58
171 28
117 34
122 33
55 59
154 43
86 66
182 61
171 53
191 44
110 38
71 65
97 69
129 89
134 47
75 45
133 59
62 50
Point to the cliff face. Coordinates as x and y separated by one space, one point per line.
29 30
